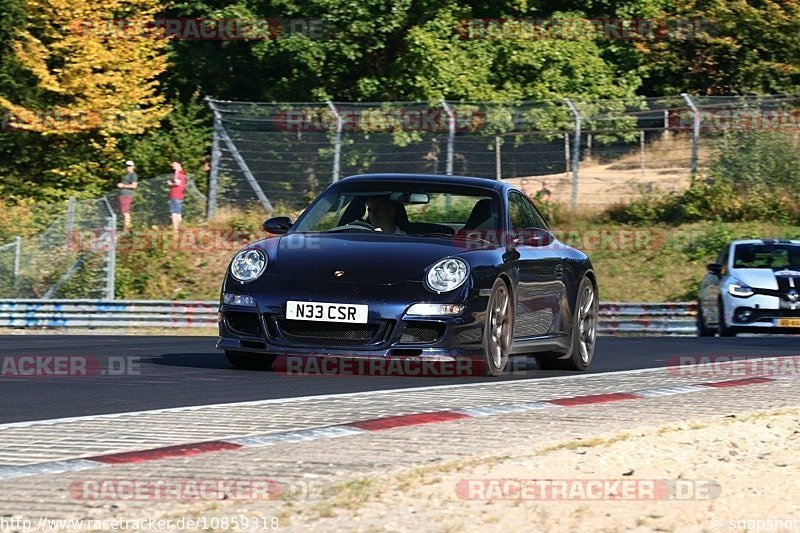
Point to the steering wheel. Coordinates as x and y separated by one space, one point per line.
361 224
354 225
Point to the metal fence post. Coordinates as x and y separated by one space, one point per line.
111 252
337 140
213 176
588 146
17 257
576 152
695 133
497 158
641 149
451 136
70 220
111 258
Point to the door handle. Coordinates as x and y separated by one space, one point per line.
559 270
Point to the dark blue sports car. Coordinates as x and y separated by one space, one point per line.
427 267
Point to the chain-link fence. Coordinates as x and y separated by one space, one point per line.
75 256
279 156
583 153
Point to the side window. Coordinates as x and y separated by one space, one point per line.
538 221
522 213
516 212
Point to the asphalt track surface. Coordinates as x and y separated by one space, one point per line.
169 371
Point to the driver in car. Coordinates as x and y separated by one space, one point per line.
382 215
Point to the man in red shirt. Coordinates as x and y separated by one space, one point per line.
177 186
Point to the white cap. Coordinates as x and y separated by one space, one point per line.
129 163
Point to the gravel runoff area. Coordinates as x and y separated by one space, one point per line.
739 472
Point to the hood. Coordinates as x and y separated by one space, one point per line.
765 278
364 258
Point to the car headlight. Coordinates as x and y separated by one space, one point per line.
740 289
447 274
248 265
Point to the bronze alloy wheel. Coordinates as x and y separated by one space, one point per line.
499 329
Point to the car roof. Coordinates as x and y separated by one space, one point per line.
433 178
765 241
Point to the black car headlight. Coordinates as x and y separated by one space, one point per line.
447 274
248 265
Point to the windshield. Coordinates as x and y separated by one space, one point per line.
399 210
774 256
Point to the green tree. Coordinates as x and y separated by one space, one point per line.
726 47
410 49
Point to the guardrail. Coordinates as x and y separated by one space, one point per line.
668 318
107 314
616 318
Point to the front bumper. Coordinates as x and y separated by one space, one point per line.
762 312
389 332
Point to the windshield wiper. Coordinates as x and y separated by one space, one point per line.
343 229
433 234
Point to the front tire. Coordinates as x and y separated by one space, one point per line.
246 361
584 332
702 329
499 329
724 329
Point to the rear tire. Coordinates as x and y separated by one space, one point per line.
702 329
584 332
246 361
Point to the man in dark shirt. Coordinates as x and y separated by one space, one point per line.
127 186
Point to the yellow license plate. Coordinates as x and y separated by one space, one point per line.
789 322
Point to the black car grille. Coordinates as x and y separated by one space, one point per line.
244 323
308 330
422 332
762 315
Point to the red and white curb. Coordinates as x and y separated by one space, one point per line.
359 427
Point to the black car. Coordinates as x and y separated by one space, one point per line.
415 266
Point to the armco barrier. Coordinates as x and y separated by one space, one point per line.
669 318
616 318
107 314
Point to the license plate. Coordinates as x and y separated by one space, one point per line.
789 322
326 312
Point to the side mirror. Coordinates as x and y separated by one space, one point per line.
714 268
536 237
277 225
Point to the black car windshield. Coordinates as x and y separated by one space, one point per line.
775 256
398 210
